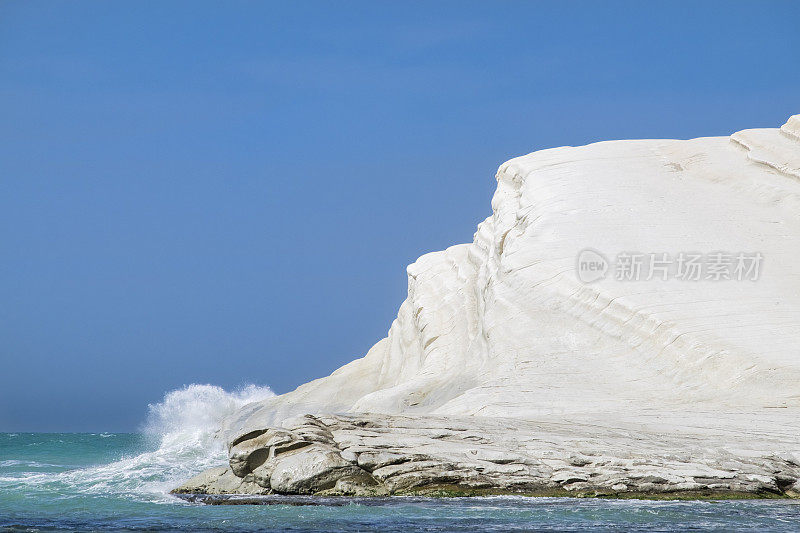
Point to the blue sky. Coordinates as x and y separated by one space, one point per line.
229 192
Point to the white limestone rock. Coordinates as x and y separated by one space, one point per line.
221 480
311 469
503 330
393 454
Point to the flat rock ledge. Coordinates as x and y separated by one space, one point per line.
382 455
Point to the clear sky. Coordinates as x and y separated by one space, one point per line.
229 192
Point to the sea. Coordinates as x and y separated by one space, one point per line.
121 482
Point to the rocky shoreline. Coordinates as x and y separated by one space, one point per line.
508 371
385 455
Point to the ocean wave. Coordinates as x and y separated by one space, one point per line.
30 464
183 428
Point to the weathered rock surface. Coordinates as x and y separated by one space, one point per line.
651 385
380 455
221 480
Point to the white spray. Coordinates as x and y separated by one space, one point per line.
183 426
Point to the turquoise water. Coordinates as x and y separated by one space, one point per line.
120 482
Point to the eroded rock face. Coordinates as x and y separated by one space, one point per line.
300 458
504 326
312 469
220 480
383 455
613 385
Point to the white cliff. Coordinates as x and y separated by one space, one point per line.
502 336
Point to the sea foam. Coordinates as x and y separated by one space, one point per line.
182 440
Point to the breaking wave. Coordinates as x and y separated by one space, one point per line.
181 439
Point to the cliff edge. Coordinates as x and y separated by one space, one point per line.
627 321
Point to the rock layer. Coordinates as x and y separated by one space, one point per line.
377 455
503 329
